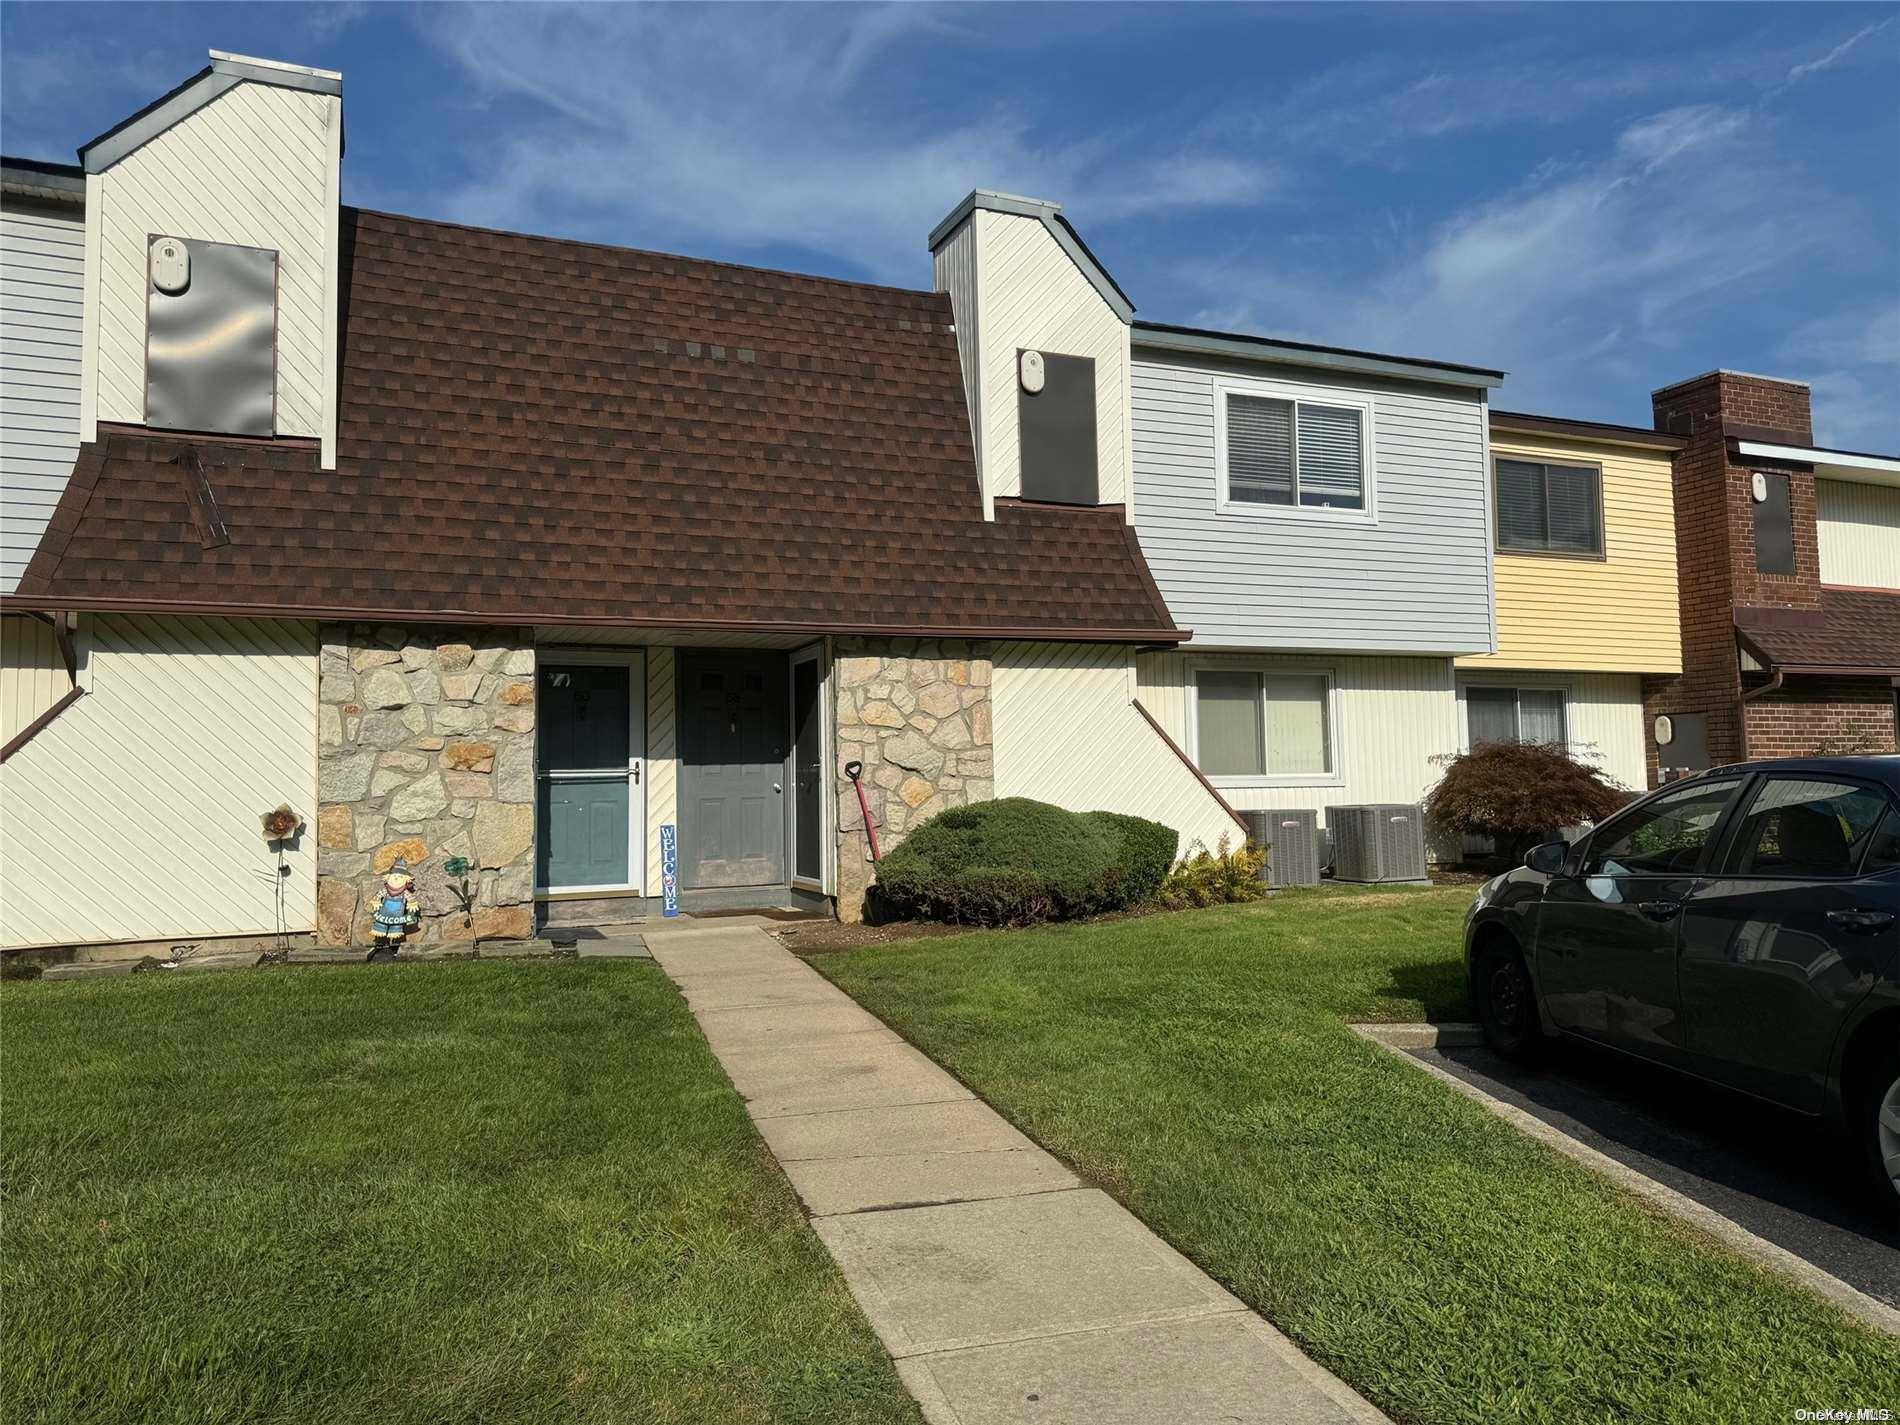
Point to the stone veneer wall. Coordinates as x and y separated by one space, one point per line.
426 752
916 713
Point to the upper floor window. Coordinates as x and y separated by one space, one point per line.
1280 447
1550 509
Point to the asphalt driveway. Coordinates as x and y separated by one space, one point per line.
1778 1175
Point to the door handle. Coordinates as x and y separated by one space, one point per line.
1862 922
636 774
1660 910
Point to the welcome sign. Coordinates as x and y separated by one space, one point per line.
670 869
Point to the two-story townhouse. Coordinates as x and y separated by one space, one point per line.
1322 518
560 557
1583 522
1790 578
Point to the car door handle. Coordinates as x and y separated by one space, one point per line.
1660 910
1862 922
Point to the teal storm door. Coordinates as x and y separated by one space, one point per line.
591 800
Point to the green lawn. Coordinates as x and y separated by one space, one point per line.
431 1193
1199 1067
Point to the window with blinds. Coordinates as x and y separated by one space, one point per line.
1515 715
1294 452
1260 724
1550 509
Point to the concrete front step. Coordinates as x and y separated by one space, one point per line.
98 969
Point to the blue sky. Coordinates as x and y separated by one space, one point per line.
1600 199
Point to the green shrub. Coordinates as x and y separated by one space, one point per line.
1017 862
1221 877
1147 853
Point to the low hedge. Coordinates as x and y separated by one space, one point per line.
1017 862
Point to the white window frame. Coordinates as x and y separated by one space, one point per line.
1520 686
1332 777
634 659
1225 386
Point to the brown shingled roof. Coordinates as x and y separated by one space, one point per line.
541 431
1855 630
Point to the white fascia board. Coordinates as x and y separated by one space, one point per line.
252 61
225 72
1830 464
1047 214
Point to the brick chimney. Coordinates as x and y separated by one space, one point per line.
1731 548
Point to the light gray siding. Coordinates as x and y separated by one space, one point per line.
1415 579
954 266
42 280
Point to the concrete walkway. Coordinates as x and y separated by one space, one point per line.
1006 1290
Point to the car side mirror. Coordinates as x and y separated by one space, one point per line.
1548 858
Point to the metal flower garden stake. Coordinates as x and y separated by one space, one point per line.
280 826
465 891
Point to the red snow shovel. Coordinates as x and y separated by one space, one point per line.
855 770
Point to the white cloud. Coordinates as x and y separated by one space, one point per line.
324 22
1602 268
767 125
1836 55
1854 358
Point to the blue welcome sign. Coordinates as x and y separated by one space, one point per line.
670 869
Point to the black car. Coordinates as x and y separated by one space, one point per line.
1739 925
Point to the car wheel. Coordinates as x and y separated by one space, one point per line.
1507 1005
1880 1120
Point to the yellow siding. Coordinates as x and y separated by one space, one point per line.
1613 615
663 765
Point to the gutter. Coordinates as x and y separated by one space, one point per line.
340 614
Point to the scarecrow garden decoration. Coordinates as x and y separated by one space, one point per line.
397 912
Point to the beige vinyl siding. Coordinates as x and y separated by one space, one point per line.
953 266
252 167
1417 579
1031 295
663 766
1392 716
1603 716
1066 731
1858 526
134 815
42 302
1614 614
32 673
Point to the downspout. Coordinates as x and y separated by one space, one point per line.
63 639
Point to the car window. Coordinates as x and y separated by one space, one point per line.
1806 826
1662 837
1883 851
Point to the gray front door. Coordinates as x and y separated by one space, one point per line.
733 735
589 797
